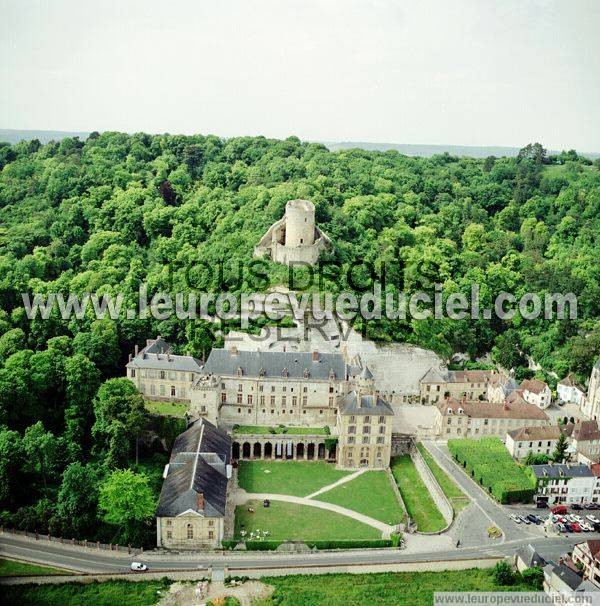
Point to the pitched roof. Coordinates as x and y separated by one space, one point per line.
364 404
567 576
571 381
584 431
561 470
492 410
470 376
157 356
197 472
530 556
551 432
434 376
593 546
533 385
366 373
274 363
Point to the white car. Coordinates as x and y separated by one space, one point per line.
593 519
515 518
138 566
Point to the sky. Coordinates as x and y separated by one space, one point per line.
453 72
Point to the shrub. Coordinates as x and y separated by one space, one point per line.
503 574
534 577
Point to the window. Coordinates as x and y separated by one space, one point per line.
382 420
351 440
211 534
272 400
132 372
283 400
380 440
294 400
163 374
272 411
169 534
304 400
249 399
239 387
321 411
382 429
351 429
331 389
365 440
152 389
352 419
190 532
249 411
169 523
162 390
239 410
449 421
330 401
203 409
284 388
304 390
260 387
173 391
223 397
366 429
262 400
367 419
239 398
272 388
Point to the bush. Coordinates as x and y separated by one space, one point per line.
349 544
491 466
534 577
503 574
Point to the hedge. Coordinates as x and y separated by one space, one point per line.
349 544
488 462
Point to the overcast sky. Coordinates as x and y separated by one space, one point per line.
471 72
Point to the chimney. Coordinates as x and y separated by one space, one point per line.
233 350
315 355
200 501
130 357
149 342
168 357
136 349
345 352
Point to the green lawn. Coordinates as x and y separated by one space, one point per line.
297 478
110 593
419 503
455 495
173 409
290 431
381 589
12 568
289 521
369 494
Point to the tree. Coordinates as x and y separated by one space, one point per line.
100 345
43 452
126 501
560 450
12 455
534 577
77 501
536 459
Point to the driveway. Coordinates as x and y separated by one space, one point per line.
488 509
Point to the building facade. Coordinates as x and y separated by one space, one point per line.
536 392
570 391
587 555
536 440
564 483
436 385
160 375
191 507
591 403
468 419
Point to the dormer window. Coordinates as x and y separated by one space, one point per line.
331 374
306 373
285 373
262 372
460 411
449 411
239 371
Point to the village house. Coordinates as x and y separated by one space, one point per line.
436 385
536 440
590 406
466 419
587 555
500 387
536 392
570 391
564 483
191 507
584 440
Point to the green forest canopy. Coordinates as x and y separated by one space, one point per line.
107 214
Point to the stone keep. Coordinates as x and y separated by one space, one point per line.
295 238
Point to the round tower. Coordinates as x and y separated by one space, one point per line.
299 223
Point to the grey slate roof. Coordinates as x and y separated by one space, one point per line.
567 576
225 363
197 468
562 471
530 556
364 404
434 376
366 373
154 357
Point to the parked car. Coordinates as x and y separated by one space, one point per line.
559 509
541 505
593 519
586 527
524 520
568 527
576 506
515 518
575 526
561 527
138 566
596 526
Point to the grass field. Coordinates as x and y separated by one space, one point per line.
173 409
381 589
419 503
110 593
289 521
297 478
290 431
11 568
455 495
369 494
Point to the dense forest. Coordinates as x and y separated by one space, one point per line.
115 211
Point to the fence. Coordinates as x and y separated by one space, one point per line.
73 542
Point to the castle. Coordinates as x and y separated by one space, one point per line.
294 238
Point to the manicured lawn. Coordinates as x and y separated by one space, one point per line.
173 409
419 503
381 589
290 431
11 568
455 495
110 593
289 521
369 494
297 478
